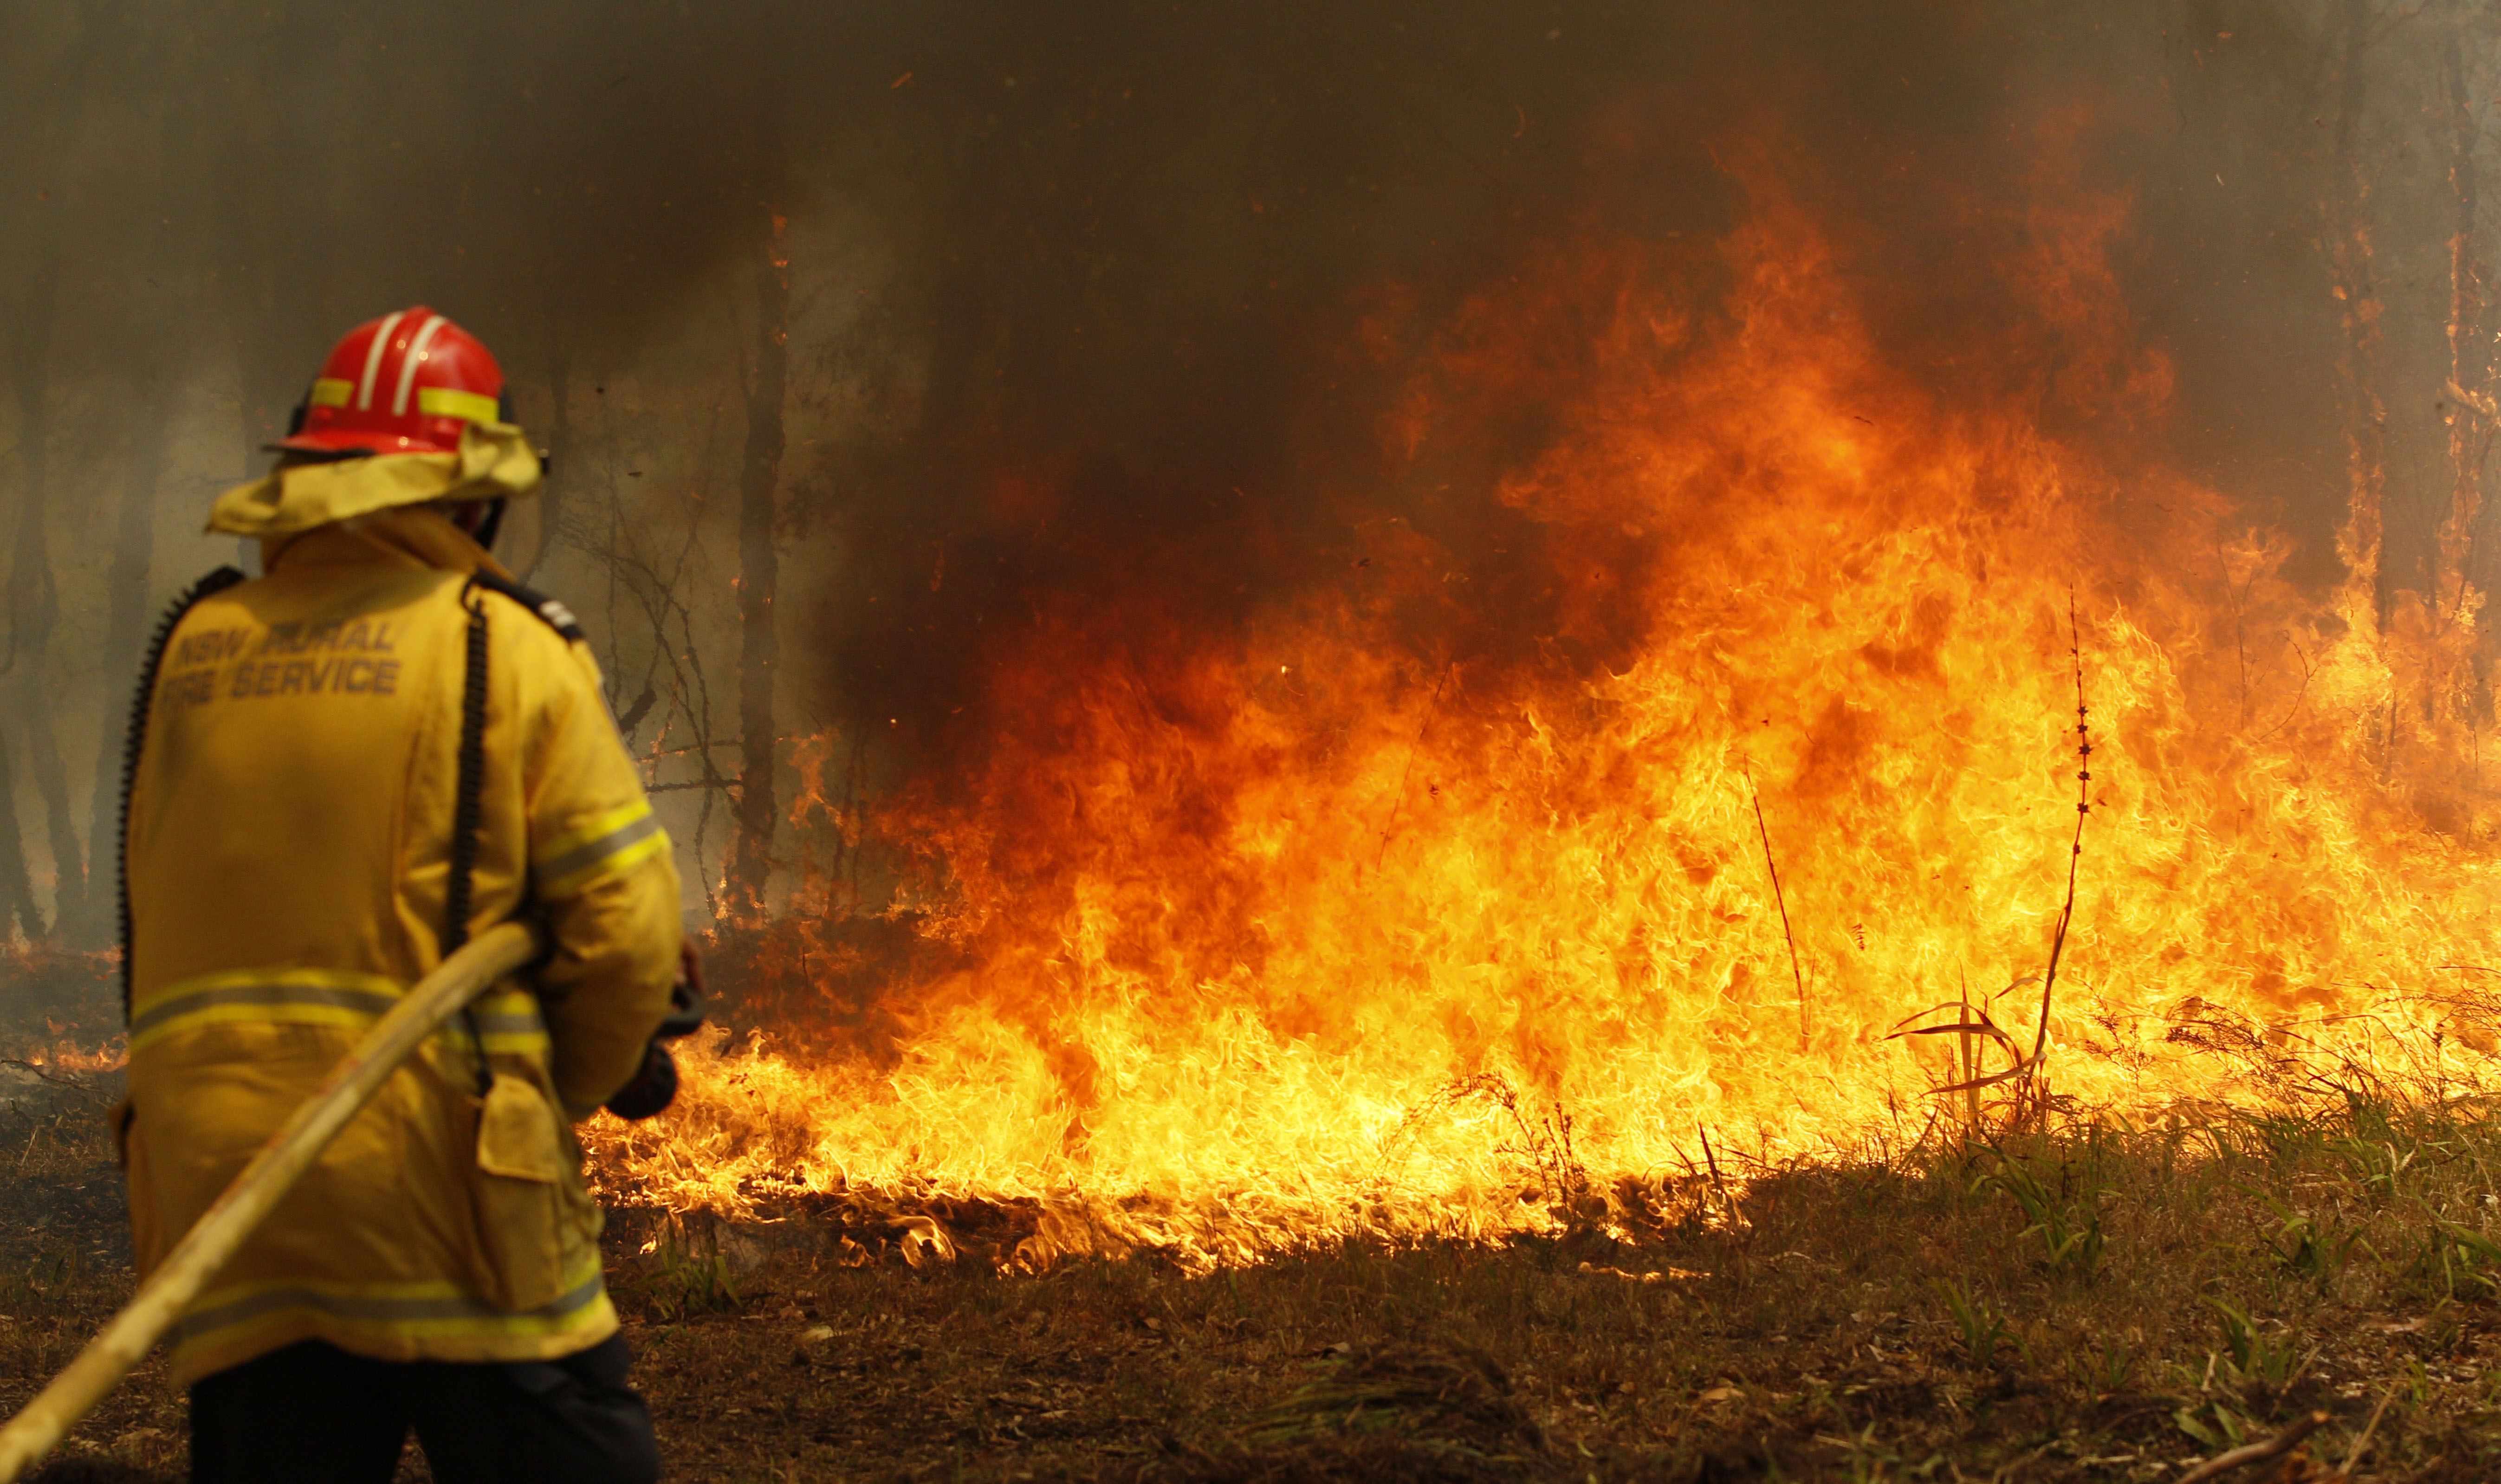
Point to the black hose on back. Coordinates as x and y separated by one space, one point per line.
466 808
137 738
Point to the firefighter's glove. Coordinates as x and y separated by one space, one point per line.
685 1014
655 1086
652 1089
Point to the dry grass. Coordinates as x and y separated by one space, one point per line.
2098 1304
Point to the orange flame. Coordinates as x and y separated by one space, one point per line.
1251 937
66 1057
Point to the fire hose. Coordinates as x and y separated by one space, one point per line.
213 1240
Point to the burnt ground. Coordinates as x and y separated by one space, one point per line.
2100 1303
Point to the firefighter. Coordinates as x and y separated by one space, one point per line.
339 771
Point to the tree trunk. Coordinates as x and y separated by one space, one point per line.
34 602
126 633
2364 598
270 281
26 365
759 480
2469 426
2468 360
17 889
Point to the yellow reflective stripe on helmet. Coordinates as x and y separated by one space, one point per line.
444 402
606 845
331 392
384 1310
295 996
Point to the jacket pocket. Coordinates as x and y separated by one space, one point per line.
520 1195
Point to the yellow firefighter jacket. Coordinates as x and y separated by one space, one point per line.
288 841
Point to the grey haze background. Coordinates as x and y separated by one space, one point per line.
1119 244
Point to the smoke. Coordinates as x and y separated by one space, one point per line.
1101 312
1167 281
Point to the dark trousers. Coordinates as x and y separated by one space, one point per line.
313 1414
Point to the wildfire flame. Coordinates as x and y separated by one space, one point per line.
66 1057
1314 927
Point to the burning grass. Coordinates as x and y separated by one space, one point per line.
1712 728
2103 1303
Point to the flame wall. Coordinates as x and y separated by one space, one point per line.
1439 879
1308 529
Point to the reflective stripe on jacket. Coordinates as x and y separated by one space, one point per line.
289 851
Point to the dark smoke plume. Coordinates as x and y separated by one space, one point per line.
1080 293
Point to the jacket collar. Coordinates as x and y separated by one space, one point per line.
407 535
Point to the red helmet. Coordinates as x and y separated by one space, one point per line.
404 383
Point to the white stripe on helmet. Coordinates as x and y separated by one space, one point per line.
408 363
374 358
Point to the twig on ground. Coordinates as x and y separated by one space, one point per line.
1796 973
1712 1160
1971 1021
2364 1442
1970 1061
2075 850
2275 1447
48 1075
